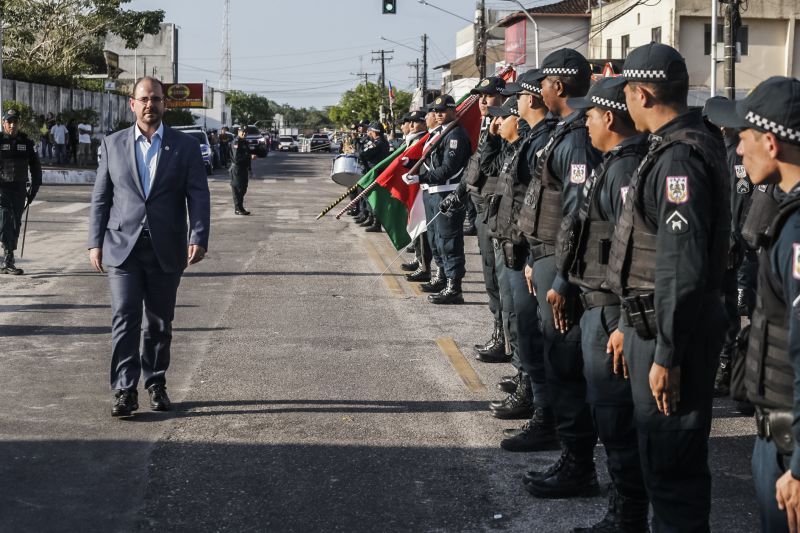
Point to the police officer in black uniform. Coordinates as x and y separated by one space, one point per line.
240 170
554 192
439 175
373 151
417 128
769 120
586 242
17 156
666 261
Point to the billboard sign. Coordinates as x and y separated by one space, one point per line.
516 43
185 95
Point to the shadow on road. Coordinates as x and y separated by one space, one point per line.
30 330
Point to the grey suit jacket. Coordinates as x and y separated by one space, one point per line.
179 192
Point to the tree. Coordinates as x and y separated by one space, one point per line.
364 102
249 108
54 40
178 117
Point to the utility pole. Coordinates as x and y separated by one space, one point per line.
383 59
714 18
480 38
732 23
424 69
225 80
415 64
365 74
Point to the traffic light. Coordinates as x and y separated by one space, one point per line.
389 7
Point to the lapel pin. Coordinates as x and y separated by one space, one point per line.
166 148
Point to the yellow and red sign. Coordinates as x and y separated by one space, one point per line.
185 95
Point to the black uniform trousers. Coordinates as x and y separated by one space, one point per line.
563 361
141 347
422 250
487 258
674 449
447 237
12 205
609 396
240 178
734 322
768 465
472 211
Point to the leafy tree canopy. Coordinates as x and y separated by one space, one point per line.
249 108
363 103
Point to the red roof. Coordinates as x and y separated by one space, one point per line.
564 7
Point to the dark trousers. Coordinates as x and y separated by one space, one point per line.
528 344
768 465
472 212
506 312
733 320
12 205
447 237
674 449
422 250
141 347
609 396
564 368
489 264
747 277
240 178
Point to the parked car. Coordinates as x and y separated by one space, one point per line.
287 144
205 147
320 142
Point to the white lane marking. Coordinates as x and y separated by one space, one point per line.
69 208
300 180
270 181
38 202
288 214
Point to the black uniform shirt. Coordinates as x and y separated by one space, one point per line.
611 196
241 153
22 147
374 151
448 158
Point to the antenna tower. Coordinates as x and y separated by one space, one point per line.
225 80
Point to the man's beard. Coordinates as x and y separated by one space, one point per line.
151 118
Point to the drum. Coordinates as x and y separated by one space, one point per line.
346 170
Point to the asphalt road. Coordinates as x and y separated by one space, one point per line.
311 394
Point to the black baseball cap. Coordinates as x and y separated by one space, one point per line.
376 126
773 106
607 93
527 81
12 115
710 100
404 118
491 86
565 62
417 116
509 107
442 103
655 63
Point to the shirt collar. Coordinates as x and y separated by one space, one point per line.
137 133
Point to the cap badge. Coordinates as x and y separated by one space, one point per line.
485 82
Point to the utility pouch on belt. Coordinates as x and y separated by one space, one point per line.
776 425
567 244
641 315
738 365
514 255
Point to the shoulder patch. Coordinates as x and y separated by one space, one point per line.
623 193
577 173
796 260
740 171
677 189
742 186
453 144
677 223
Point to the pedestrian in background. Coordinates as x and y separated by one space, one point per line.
72 141
59 135
84 144
240 170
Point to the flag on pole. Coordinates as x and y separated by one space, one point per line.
391 94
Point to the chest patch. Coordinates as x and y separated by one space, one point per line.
5 147
740 171
577 174
623 193
796 260
21 147
677 223
742 186
677 189
453 144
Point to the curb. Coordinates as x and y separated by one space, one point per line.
64 176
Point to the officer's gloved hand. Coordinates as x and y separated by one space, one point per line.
451 202
410 179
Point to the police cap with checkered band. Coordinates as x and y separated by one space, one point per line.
565 62
509 107
529 81
773 106
491 86
606 93
655 63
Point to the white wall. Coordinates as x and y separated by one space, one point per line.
555 33
155 52
638 24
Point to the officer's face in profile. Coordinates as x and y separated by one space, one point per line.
634 98
551 88
417 127
11 128
758 152
508 127
372 134
430 120
147 103
444 117
405 128
486 100
596 123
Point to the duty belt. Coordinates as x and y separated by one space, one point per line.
593 299
542 250
776 425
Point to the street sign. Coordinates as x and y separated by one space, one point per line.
110 85
185 95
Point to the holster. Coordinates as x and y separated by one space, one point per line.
514 255
640 313
567 244
776 425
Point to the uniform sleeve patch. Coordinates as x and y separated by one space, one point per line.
796 260
677 189
453 144
623 193
677 223
577 174
740 171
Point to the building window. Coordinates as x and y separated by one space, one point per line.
638 19
625 44
608 49
742 37
655 35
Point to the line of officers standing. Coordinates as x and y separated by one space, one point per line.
618 230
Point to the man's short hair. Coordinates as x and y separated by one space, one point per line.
669 93
624 119
575 86
151 79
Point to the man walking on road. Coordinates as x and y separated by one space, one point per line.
149 179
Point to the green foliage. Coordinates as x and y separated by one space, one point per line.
307 119
178 117
249 108
27 122
51 42
364 102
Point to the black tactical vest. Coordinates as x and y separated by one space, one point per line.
632 259
14 154
769 376
588 268
473 176
541 212
510 195
762 210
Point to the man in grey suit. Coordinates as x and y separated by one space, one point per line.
150 180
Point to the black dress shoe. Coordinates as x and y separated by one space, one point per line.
538 434
126 401
410 266
159 401
509 384
242 212
370 220
575 478
375 228
419 274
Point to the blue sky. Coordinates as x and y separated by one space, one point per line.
302 52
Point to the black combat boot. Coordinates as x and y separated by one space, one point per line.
451 294
509 384
242 211
575 477
410 266
438 282
126 401
369 221
8 265
624 515
360 217
375 227
420 274
494 351
518 405
538 434
722 381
